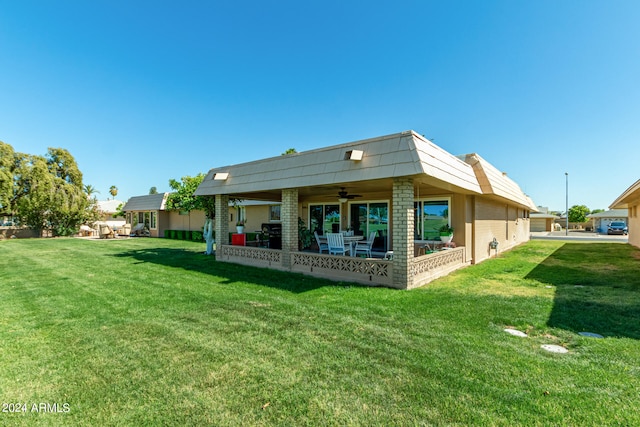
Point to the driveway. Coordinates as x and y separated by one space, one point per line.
579 235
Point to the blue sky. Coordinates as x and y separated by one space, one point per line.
144 91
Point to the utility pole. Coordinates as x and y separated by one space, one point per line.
566 174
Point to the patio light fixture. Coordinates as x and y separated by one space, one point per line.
220 176
354 155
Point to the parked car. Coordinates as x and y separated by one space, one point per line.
617 227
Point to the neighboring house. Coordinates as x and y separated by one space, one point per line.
107 210
601 220
542 220
151 210
401 186
630 200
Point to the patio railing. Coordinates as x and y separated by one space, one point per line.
258 257
367 271
428 267
373 272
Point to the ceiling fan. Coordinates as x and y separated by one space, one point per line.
343 196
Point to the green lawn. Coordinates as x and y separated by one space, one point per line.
151 332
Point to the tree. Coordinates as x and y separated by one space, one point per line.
153 190
90 190
289 151
595 211
183 199
7 165
578 213
48 193
113 190
34 191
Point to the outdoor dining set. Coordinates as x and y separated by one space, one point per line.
345 243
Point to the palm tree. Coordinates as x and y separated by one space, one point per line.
113 190
90 190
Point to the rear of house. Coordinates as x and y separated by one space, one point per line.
400 186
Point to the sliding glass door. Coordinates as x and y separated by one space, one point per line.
367 217
324 218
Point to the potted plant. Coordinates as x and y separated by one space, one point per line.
240 226
446 233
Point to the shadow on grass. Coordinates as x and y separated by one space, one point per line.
223 271
597 288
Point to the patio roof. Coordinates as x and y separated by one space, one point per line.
321 172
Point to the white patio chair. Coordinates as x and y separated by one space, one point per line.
335 242
322 246
364 246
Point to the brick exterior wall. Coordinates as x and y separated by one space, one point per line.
221 222
289 216
402 227
499 220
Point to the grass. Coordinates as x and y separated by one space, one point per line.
152 332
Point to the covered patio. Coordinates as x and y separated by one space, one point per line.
401 187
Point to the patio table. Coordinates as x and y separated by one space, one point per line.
352 240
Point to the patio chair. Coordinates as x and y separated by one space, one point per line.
139 230
335 242
125 230
365 246
322 246
106 232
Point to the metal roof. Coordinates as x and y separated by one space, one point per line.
324 170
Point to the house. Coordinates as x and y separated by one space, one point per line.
402 186
600 220
151 210
630 200
542 220
108 209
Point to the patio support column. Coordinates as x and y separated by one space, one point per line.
289 216
403 230
222 219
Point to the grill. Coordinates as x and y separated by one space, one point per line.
274 232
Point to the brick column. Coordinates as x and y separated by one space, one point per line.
403 232
222 219
289 216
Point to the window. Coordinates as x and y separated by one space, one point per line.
430 215
274 213
154 220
